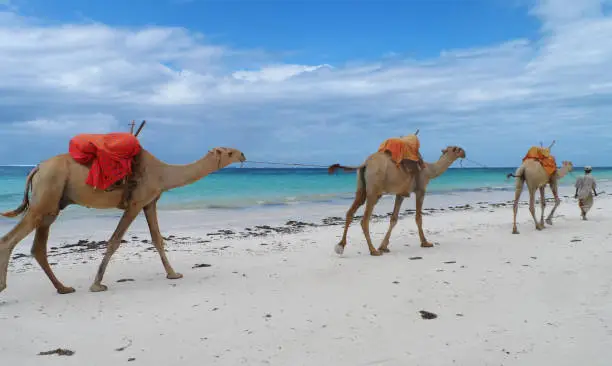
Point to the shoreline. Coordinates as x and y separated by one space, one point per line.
283 222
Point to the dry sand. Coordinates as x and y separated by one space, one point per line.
538 298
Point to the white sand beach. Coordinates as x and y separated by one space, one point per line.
538 298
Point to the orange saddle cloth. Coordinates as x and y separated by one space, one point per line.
542 155
110 156
406 147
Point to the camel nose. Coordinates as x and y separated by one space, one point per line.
242 157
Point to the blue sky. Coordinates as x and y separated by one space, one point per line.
309 81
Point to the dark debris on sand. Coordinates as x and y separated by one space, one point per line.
290 227
427 315
57 351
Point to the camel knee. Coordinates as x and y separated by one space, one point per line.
48 219
36 219
349 216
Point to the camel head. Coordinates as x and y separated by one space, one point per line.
454 152
227 155
567 165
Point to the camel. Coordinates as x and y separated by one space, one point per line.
534 174
60 181
380 175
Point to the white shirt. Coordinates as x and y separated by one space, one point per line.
585 185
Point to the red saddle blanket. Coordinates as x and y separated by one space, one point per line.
110 156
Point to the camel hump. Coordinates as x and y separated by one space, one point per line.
543 156
405 147
111 156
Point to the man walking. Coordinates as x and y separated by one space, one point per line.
585 188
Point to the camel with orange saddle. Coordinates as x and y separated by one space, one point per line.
539 168
396 168
103 172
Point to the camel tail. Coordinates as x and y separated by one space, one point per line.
518 174
333 168
362 181
26 200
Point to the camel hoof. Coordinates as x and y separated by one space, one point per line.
384 250
375 253
515 231
539 228
426 245
65 290
339 249
174 276
548 221
2 287
98 288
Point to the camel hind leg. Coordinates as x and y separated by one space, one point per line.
371 201
47 189
360 198
39 251
394 217
532 208
517 195
9 241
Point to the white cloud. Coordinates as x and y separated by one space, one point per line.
54 77
276 73
65 125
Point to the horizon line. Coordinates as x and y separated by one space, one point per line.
289 166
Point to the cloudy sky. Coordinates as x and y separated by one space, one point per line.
309 81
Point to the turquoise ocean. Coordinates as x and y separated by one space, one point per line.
234 188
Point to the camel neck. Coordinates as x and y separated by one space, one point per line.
563 171
434 170
175 176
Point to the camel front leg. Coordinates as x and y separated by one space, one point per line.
394 217
113 244
9 241
365 223
532 209
542 205
555 192
360 198
158 240
39 251
418 217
